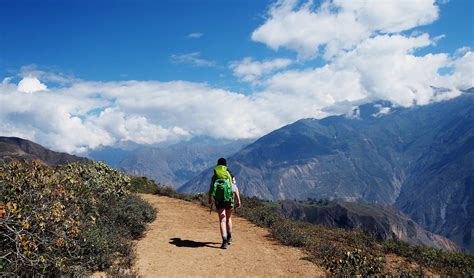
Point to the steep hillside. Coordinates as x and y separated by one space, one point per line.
420 156
17 148
439 194
382 221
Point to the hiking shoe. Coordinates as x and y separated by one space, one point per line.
229 240
224 245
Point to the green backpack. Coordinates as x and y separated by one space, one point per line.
222 189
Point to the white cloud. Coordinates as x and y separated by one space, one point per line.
382 110
391 16
463 70
249 70
338 25
30 85
86 115
135 128
300 94
193 58
391 71
195 35
382 67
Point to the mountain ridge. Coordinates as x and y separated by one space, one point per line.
18 148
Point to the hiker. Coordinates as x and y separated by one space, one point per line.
222 189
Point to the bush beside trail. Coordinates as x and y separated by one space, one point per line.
70 219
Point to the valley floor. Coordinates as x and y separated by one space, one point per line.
184 241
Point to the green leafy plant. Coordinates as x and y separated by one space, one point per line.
143 185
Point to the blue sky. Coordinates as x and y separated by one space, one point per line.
107 40
120 40
273 62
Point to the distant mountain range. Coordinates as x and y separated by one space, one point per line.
419 159
170 165
17 148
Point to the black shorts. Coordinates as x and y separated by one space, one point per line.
224 205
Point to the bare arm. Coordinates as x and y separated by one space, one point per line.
209 199
239 203
237 194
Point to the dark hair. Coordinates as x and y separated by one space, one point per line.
222 161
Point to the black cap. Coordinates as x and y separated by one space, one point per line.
222 161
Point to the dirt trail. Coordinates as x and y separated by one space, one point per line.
184 241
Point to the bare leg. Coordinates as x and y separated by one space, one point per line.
228 214
222 222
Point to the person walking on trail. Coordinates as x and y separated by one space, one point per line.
222 190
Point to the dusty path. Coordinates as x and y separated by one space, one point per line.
184 241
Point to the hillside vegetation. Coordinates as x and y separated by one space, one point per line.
384 222
70 219
341 252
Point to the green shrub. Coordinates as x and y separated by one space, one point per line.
71 219
262 216
171 192
143 185
292 234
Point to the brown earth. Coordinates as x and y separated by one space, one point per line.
184 241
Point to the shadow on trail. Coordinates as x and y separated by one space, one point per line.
191 243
